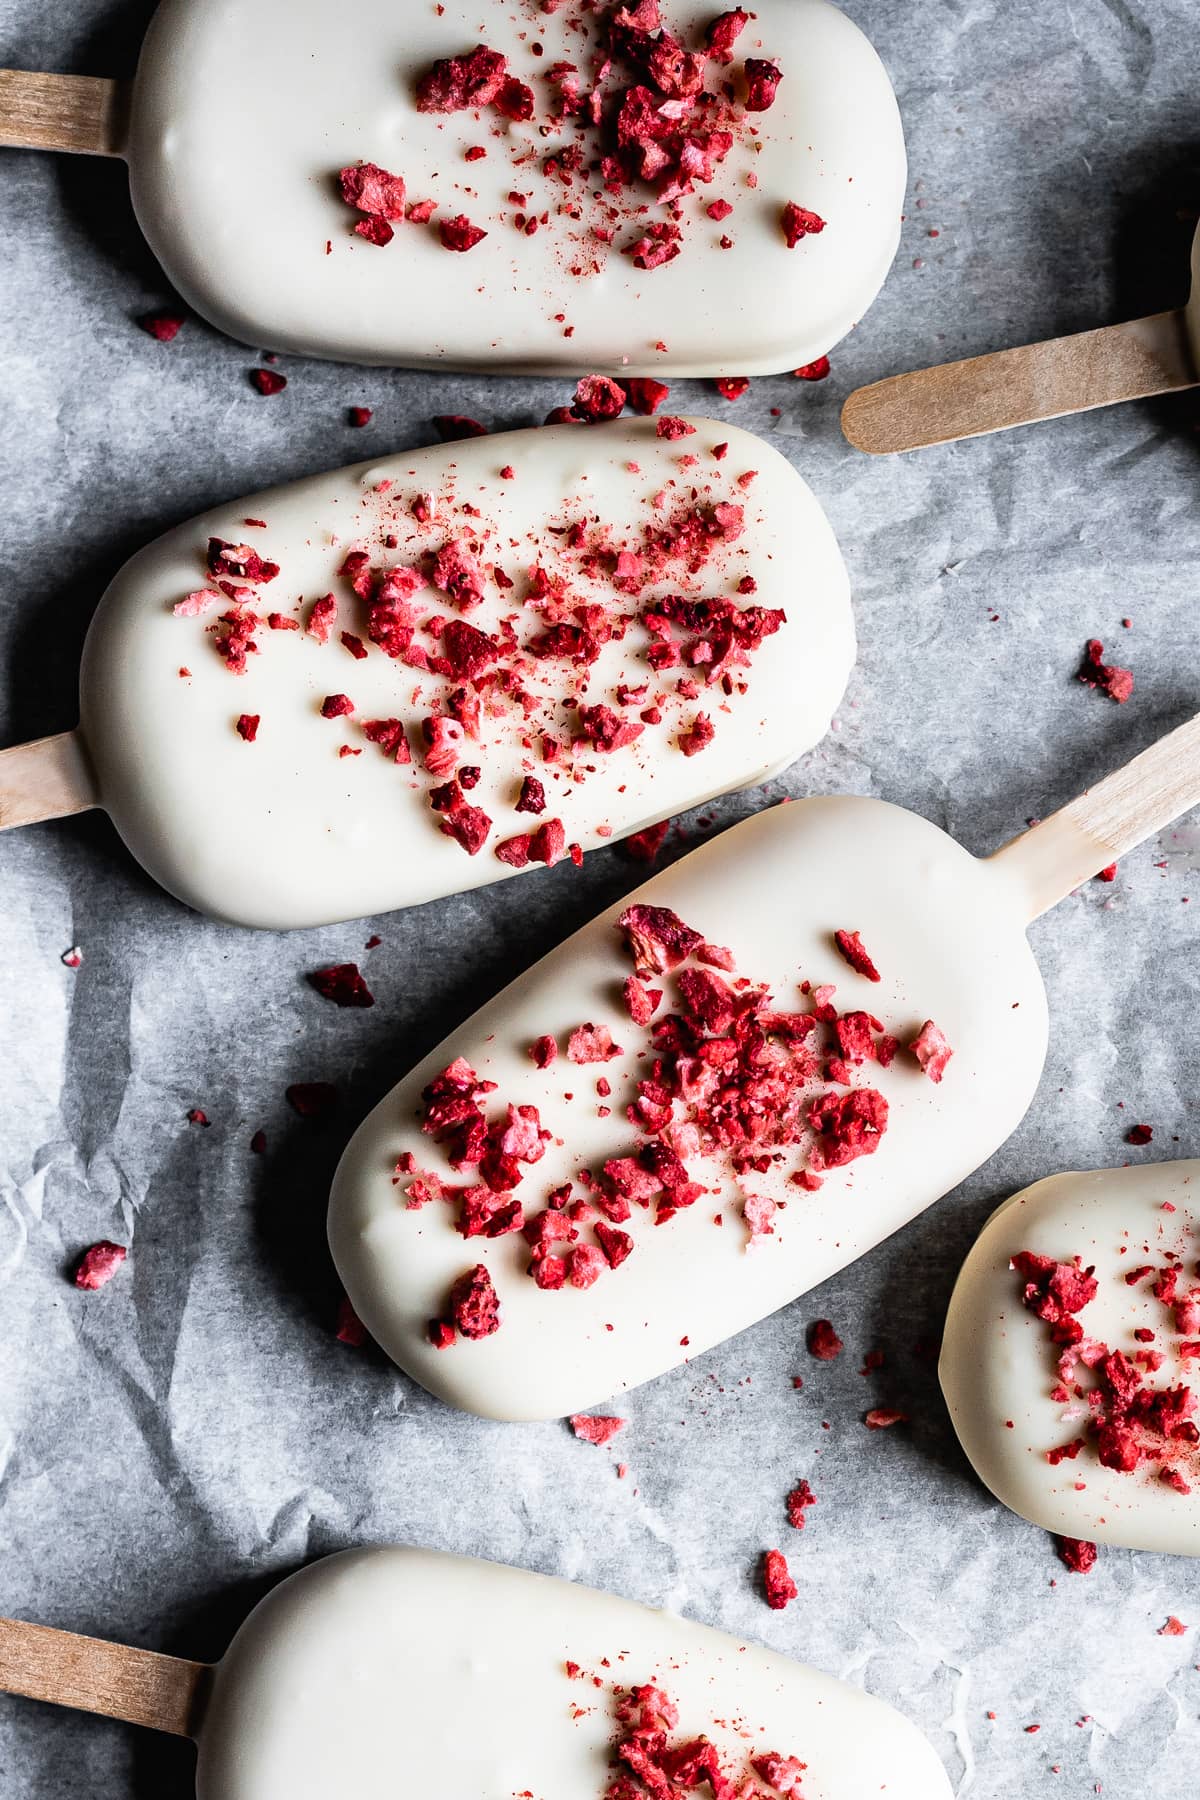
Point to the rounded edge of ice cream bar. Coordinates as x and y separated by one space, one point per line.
464 1614
131 774
996 1366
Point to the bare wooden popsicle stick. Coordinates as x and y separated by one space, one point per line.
47 779
1120 812
163 1693
63 112
1017 387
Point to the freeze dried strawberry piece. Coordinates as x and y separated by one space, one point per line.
931 1050
459 573
798 1500
823 1341
458 233
848 1126
813 371
777 1582
514 851
732 387
543 1051
548 843
468 826
596 1428
443 744
164 326
599 397
1054 1291
514 100
336 706
882 1418
198 603
657 938
783 1773
1139 1134
469 652
441 1334
459 83
851 946
659 243
585 1265
375 231
592 1044
724 31
358 416
450 427
474 1305
1106 677
350 1328
238 562
641 1002
311 1099
605 731
267 381
644 846
762 83
799 223
698 735
322 618
343 984
1077 1554
99 1264
247 726
758 1210
235 640
616 1244
532 798
370 189
672 429
483 1212
645 395
391 737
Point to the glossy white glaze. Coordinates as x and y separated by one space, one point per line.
244 111
387 1672
947 935
998 1362
283 832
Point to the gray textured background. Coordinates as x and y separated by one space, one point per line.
171 1446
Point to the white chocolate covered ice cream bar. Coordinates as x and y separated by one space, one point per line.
1071 1356
420 674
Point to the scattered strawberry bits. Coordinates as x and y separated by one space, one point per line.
164 326
1106 677
1077 1554
851 947
778 1586
931 1050
98 1265
798 1501
595 1429
268 381
799 223
343 984
648 1765
823 1341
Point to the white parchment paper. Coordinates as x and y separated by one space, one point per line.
172 1445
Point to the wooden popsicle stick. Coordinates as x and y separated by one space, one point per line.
48 779
164 1693
1051 859
63 112
1016 387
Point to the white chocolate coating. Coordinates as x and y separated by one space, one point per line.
245 110
998 1362
283 832
387 1672
946 934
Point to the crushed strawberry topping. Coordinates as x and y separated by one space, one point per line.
614 145
650 1762
1109 1405
595 1429
1096 673
531 655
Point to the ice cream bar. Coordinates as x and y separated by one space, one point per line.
508 184
418 675
1071 1352
721 1091
385 1671
1088 369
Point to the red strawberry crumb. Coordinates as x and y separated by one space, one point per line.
599 397
823 1341
247 726
800 1498
358 416
799 223
881 1418
99 1264
1108 874
350 1328
1077 1554
452 426
1107 678
723 32
931 1050
543 1052
644 846
813 371
258 1143
762 83
645 395
1139 1134
459 83
343 984
777 1582
441 1334
1173 1628
372 190
390 736
474 1305
268 381
532 797
375 231
596 1429
164 326
851 946
336 706
72 958
458 233
732 387
698 735
592 1044
671 428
